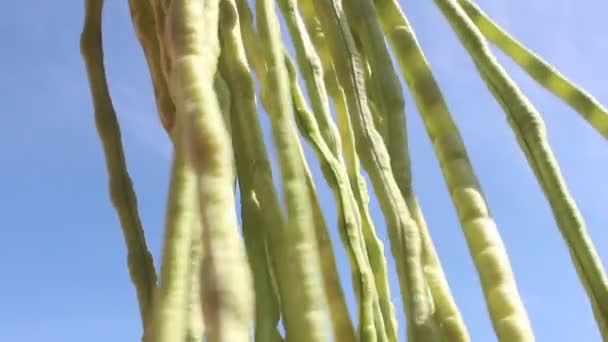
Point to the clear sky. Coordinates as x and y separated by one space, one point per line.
62 257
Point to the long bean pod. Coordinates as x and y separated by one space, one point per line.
484 241
262 219
340 320
171 320
544 73
374 246
530 131
403 232
349 220
193 50
144 23
391 105
195 320
302 312
159 10
141 265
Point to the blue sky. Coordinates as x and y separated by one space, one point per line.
62 257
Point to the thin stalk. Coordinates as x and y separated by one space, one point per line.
484 241
141 265
530 131
544 73
226 280
403 232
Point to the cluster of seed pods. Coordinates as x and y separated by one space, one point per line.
207 59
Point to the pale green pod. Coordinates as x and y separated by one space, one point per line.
311 68
193 50
333 291
341 324
171 321
159 11
348 216
391 107
447 314
141 266
544 73
260 210
144 23
403 232
529 129
340 319
195 321
345 137
302 311
373 244
349 221
484 241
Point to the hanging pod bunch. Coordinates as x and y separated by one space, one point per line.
216 66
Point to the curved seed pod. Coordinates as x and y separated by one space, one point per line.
348 214
226 280
141 266
484 241
403 232
391 106
260 205
544 73
144 24
529 128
